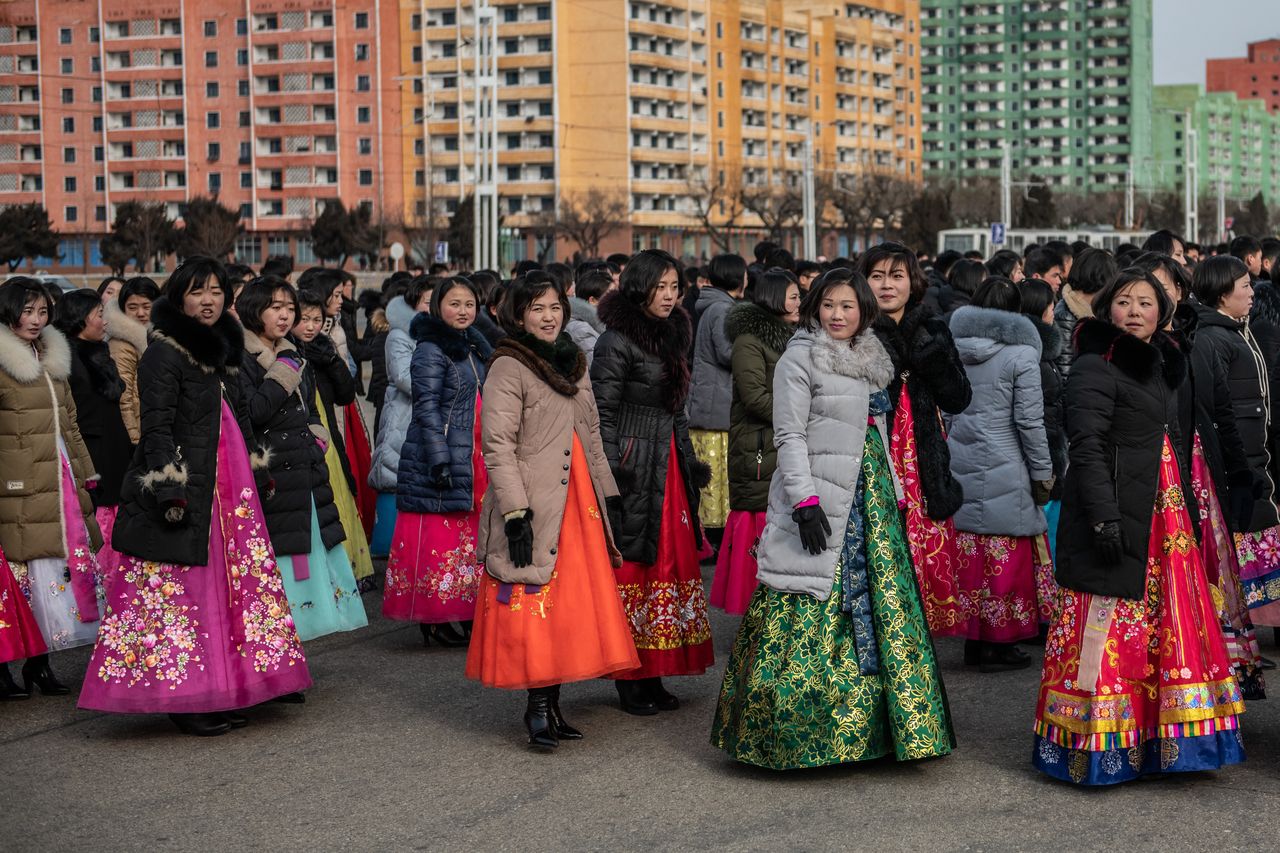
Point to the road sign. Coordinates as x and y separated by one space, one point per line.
396 250
442 252
997 233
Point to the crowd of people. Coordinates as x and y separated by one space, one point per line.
1068 446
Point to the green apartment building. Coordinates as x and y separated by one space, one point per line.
1065 83
1237 142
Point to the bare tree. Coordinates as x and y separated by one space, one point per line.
777 206
718 207
208 229
588 217
874 203
976 203
542 225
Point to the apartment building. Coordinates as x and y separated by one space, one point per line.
1065 84
1255 75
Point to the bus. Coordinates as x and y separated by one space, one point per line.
979 239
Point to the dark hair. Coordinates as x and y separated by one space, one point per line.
998 293
525 267
310 298
437 268
1029 248
1078 246
278 265
395 277
1036 295
74 310
193 272
323 280
16 294
106 282
522 292
257 297
1162 241
868 308
442 289
1131 275
593 284
239 273
139 285
1270 251
807 267
1243 246
966 276
762 250
1215 277
781 259
419 285
1041 261
973 255
486 281
618 259
644 271
1003 263
770 292
845 263
897 255
562 273
1061 248
1152 261
727 272
1092 271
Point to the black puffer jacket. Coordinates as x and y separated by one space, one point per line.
182 379
96 387
1226 355
1121 398
287 429
925 359
1053 388
640 375
336 386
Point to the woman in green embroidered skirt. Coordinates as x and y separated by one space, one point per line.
833 662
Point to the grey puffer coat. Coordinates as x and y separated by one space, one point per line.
583 326
821 395
397 410
998 444
711 390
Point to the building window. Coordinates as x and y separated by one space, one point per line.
362 20
362 82
544 77
245 118
94 35
210 29
511 14
64 35
68 66
246 180
211 89
365 145
366 177
210 59
69 184
215 182
242 56
242 26
68 155
543 13
362 52
544 46
513 173
100 213
215 152
71 214
242 88
68 125
95 94
213 121
362 115
513 78
68 96
99 184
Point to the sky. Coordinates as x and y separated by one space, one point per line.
1187 32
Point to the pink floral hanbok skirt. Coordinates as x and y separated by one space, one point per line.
735 578
998 580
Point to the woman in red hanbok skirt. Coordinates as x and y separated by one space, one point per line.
19 632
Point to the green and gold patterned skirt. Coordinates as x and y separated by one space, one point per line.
793 693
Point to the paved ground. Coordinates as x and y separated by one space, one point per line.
395 750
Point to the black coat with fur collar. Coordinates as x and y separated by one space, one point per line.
183 377
96 386
640 376
925 360
1122 400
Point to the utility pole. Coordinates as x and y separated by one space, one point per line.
1222 211
1191 183
1006 186
1128 200
485 238
810 215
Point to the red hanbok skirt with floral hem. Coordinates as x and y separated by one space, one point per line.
20 636
735 579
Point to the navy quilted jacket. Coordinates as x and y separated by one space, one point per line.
448 370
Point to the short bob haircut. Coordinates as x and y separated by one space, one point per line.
897 255
191 274
418 286
1216 277
74 310
16 294
642 274
257 297
310 299
525 289
1093 270
998 293
868 308
1124 279
967 276
1163 241
1037 295
1003 263
106 282
593 284
139 285
447 284
770 292
727 272
1152 261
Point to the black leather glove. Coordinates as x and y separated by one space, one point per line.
519 532
814 528
1108 543
613 506
440 476
1041 490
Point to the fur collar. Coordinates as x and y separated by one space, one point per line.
747 318
900 337
865 359
104 378
210 348
400 314
581 309
1050 340
666 340
561 365
1079 305
122 327
456 345
20 361
1130 355
991 324
266 357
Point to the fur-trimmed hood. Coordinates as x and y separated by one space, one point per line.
210 348
122 327
747 318
980 333
19 360
561 365
400 314
1130 355
581 309
865 358
455 344
666 340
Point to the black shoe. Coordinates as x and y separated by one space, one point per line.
201 725
1002 657
563 730
1268 663
658 695
234 719
537 719
445 635
289 699
972 652
36 671
634 699
9 689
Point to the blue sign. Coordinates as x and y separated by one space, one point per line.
997 233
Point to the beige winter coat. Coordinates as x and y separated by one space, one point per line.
127 344
35 406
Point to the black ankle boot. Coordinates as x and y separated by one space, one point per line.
972 652
634 699
201 725
659 696
537 719
563 730
36 671
445 635
9 689
1002 657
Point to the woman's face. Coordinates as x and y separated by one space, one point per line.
1238 302
35 316
545 316
1047 316
334 305
1166 282
458 307
111 292
95 328
424 303
277 318
139 308
236 287
310 321
663 299
1136 309
839 313
204 301
892 286
1017 275
792 304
